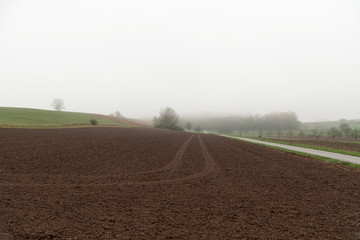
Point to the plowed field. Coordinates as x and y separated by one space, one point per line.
113 183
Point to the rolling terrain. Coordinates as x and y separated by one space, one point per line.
36 118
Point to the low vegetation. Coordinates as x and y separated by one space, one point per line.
317 147
93 122
315 156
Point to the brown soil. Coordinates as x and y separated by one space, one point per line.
355 147
112 183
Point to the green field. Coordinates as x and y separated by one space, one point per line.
36 118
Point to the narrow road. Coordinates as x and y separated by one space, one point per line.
337 156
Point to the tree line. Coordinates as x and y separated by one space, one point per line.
344 130
274 122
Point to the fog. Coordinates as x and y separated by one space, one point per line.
198 57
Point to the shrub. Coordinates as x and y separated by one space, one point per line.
176 128
93 122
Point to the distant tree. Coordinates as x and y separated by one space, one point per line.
342 120
188 126
93 122
345 129
355 133
278 132
259 123
227 131
290 132
291 122
198 129
168 119
269 133
333 132
112 115
58 104
118 114
301 133
317 133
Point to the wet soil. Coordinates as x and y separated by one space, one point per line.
113 183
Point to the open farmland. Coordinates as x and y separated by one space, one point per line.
122 183
37 118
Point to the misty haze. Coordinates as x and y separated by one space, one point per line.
232 58
179 119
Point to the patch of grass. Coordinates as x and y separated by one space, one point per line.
307 155
302 139
345 141
318 157
36 118
341 151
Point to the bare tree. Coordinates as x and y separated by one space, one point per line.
355 133
290 133
58 104
269 133
188 126
118 114
334 132
279 133
345 129
301 133
317 133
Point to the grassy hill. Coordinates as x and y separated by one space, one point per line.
36 118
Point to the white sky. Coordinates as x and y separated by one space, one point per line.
196 56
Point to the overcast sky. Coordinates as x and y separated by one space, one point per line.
197 56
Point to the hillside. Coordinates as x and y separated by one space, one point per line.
36 118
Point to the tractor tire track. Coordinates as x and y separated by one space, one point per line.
165 172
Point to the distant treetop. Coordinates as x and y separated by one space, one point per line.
168 119
58 104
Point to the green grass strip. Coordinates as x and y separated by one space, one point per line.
341 151
305 154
